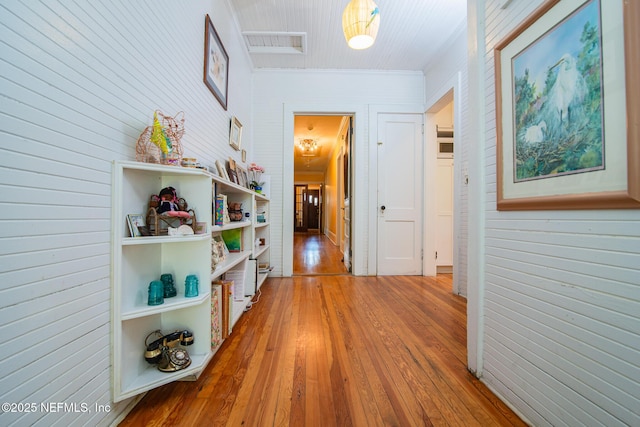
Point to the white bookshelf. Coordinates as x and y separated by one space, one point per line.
139 260
136 261
252 230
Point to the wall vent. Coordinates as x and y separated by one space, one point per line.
275 42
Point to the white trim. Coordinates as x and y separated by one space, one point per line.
429 204
477 187
431 162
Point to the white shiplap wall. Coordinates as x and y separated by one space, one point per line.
561 294
78 83
277 91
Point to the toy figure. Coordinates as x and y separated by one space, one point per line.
167 200
168 205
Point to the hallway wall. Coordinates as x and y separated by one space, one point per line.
79 83
558 291
311 91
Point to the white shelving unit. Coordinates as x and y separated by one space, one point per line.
261 238
239 261
136 261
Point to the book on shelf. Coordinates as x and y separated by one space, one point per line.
222 213
216 329
237 278
233 239
227 303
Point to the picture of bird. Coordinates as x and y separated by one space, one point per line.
535 134
569 88
557 121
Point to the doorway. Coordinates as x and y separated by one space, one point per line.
308 208
320 152
445 208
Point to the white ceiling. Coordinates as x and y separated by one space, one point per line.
411 36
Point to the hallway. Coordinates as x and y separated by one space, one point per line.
314 254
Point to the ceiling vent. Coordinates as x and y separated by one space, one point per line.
275 42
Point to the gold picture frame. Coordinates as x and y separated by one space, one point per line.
615 182
235 134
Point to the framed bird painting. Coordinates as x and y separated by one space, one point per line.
562 134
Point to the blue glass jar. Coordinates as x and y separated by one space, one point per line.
156 293
169 289
191 286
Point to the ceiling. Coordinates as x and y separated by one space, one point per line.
412 34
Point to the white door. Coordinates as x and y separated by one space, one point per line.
400 194
444 205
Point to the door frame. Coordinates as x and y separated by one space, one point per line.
358 168
450 91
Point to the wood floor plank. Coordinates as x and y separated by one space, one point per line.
315 254
417 395
337 351
370 402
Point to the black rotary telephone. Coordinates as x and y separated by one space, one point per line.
165 353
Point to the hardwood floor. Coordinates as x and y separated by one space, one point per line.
337 350
315 254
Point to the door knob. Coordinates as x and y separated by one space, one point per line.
383 207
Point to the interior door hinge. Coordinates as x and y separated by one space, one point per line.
436 254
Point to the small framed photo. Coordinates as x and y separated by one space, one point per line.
235 134
242 176
136 224
231 171
233 176
221 170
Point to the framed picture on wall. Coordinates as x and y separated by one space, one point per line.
563 110
216 64
235 134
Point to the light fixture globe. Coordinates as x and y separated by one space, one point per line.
360 22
